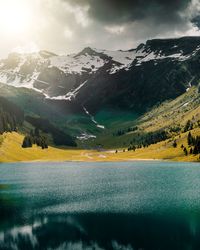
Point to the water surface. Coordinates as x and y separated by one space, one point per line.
135 205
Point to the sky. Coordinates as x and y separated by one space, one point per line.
67 26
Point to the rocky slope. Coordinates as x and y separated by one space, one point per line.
135 79
73 90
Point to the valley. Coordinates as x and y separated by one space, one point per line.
90 105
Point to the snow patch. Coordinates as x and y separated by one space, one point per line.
93 120
124 58
85 136
70 95
185 104
77 64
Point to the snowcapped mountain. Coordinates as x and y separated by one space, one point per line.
59 77
136 79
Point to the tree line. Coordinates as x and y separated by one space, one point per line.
121 132
144 140
60 138
35 138
194 143
10 116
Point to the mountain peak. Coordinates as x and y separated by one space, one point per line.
87 51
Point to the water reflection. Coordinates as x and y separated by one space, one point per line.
102 231
154 206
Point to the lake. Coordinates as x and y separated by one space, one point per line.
124 205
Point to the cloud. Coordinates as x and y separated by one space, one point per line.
80 13
194 11
118 11
116 29
196 21
123 24
65 26
68 33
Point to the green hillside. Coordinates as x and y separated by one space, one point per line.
170 117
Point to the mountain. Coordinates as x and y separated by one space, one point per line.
94 92
160 68
58 77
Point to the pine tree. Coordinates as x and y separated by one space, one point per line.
190 139
175 144
37 132
185 151
188 126
195 150
27 142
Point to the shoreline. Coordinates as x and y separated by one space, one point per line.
89 161
97 161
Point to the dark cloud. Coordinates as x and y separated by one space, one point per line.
65 26
123 11
196 21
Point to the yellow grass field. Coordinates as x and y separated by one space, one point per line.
11 151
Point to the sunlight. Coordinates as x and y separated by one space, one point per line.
15 16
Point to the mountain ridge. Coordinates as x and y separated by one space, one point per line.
73 91
34 71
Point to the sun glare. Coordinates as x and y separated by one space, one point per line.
15 16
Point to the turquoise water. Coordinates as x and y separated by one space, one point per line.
135 205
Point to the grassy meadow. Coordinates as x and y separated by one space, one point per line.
11 151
